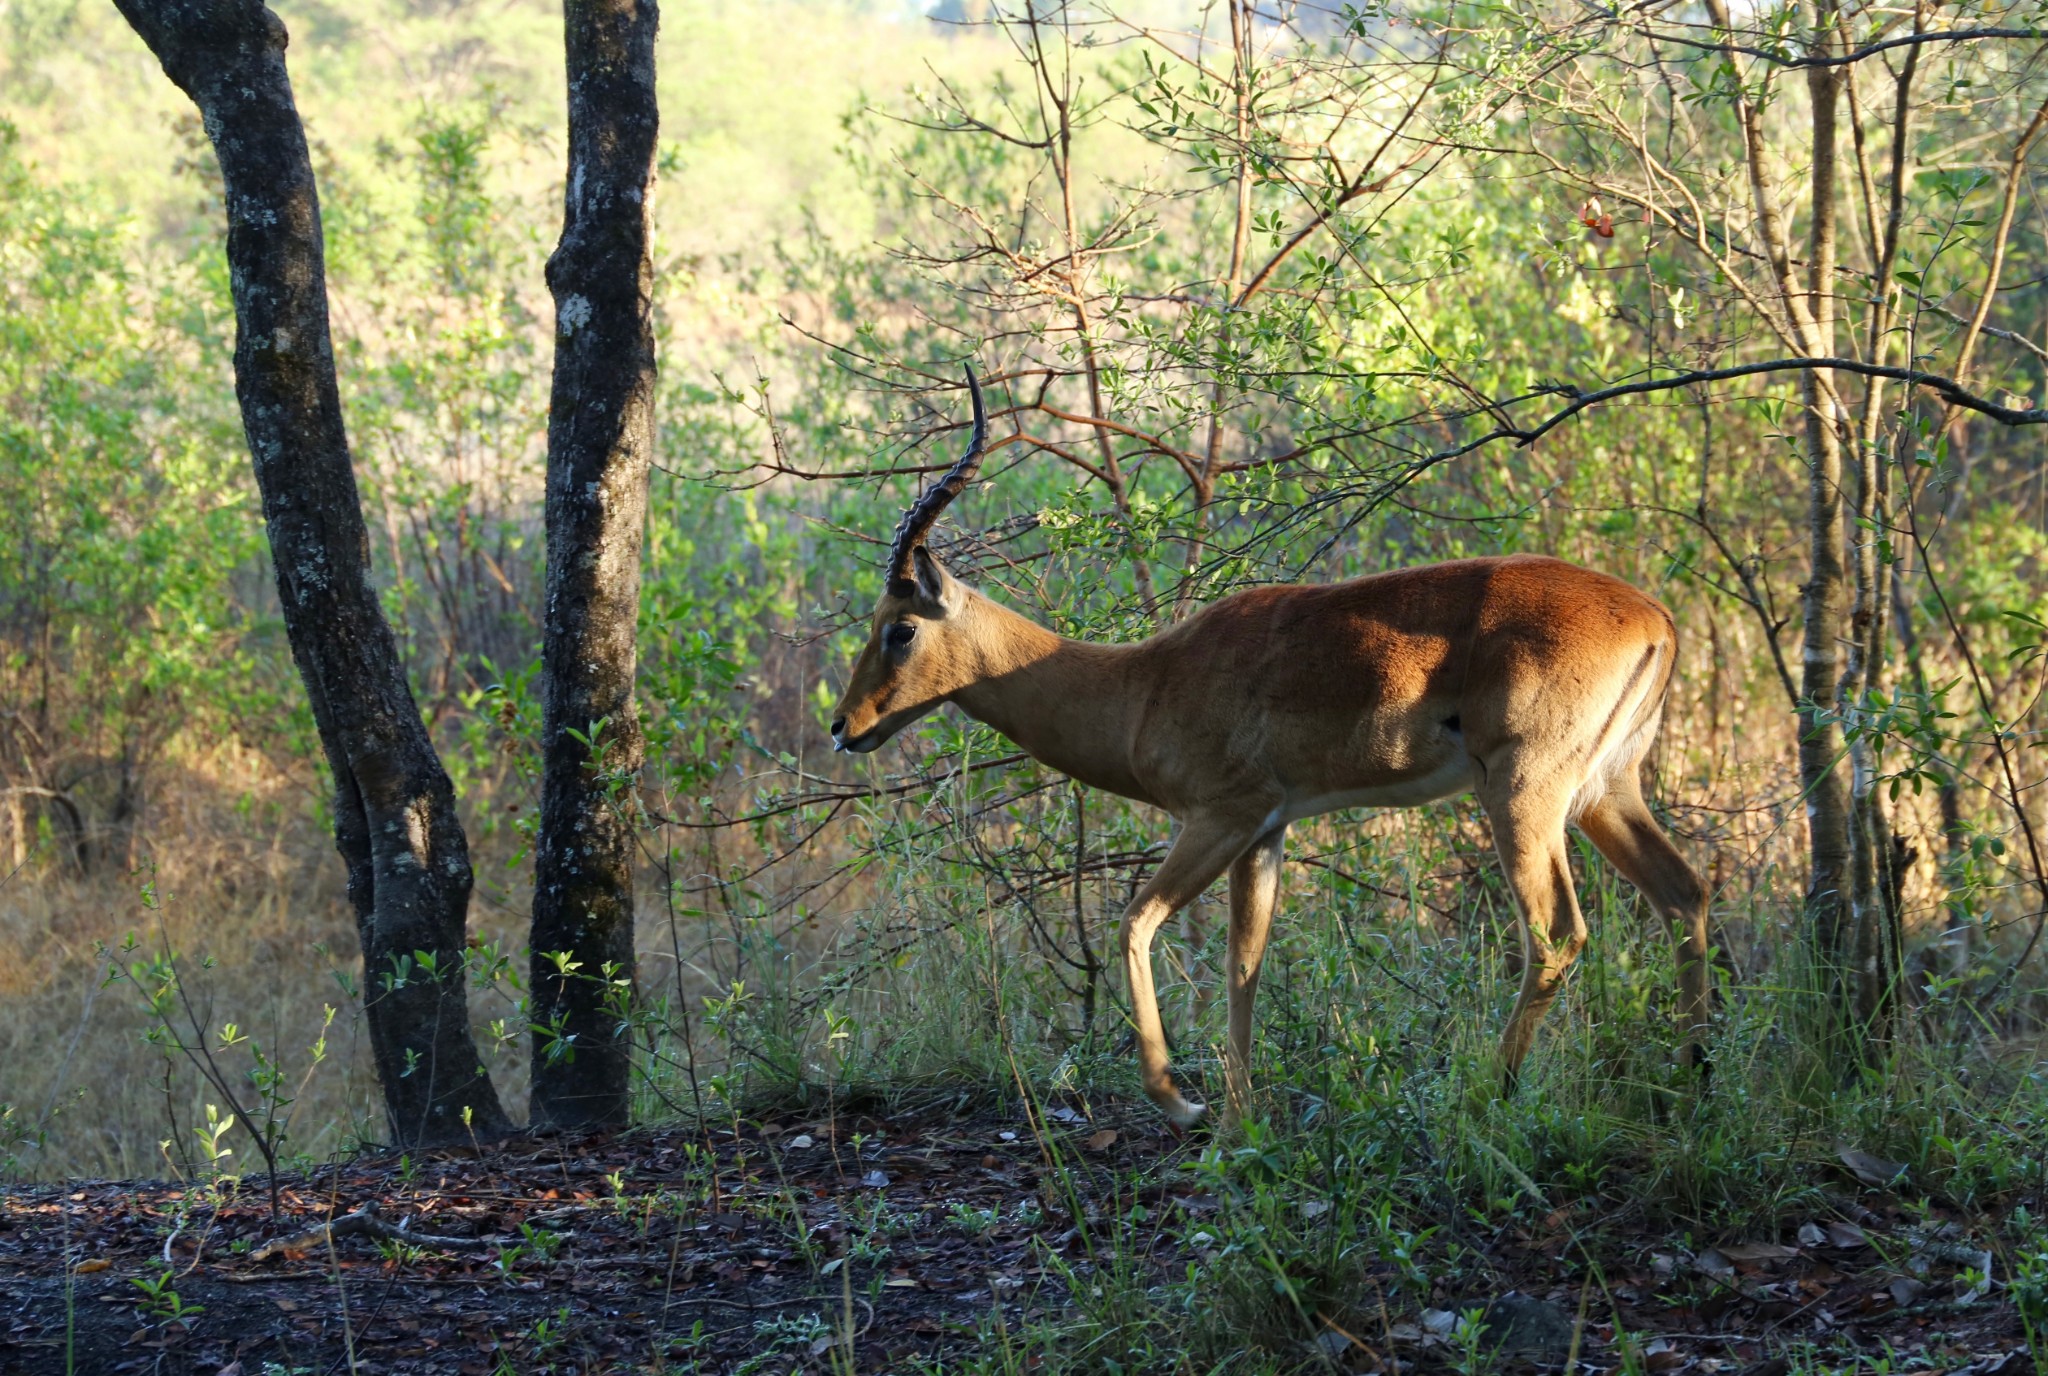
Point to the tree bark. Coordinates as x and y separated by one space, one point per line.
1875 851
394 808
1809 322
600 440
1825 597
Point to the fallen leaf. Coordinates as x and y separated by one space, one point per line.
1873 1171
1330 1343
1906 1290
93 1265
1714 1264
1812 1235
875 1180
1757 1251
1847 1235
799 1142
1663 1355
1101 1141
899 1283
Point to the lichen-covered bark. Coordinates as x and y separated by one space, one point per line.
394 809
600 435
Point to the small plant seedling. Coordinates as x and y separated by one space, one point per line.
971 1221
162 1303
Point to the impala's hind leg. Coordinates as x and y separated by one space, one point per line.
1528 831
1254 888
1205 847
1621 826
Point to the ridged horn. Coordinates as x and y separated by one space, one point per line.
917 521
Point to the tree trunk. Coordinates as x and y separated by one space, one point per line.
1875 864
394 809
1825 597
600 439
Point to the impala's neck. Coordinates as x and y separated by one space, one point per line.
1068 703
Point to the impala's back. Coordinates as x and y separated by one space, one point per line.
1400 688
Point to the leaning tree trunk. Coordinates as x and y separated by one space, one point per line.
600 438
394 809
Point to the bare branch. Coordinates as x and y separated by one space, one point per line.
1778 59
1946 388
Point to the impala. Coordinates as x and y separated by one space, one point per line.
1534 683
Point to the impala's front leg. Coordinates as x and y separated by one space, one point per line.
1205 848
1254 888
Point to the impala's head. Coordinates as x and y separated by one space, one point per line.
916 655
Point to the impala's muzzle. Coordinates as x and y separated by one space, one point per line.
859 744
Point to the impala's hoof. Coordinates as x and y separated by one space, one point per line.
1182 1115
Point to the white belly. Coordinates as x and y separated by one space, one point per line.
1456 775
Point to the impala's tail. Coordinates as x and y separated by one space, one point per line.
1631 724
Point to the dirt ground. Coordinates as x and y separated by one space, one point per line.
882 1245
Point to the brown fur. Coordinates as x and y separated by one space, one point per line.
1532 682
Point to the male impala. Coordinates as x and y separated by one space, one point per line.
1532 682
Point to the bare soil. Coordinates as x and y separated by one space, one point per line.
727 1245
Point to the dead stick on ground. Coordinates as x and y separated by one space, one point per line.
366 1221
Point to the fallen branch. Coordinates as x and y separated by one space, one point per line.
365 1221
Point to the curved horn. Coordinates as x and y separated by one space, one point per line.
917 521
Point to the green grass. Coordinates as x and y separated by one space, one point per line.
1382 1162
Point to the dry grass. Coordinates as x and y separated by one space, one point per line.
245 886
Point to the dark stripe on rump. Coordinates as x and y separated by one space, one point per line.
1620 701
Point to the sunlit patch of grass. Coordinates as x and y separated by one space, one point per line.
1382 1156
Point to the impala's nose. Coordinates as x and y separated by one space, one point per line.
838 730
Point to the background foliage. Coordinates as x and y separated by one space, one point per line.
1249 303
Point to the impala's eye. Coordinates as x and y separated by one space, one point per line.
899 636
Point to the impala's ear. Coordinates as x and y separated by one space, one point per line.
934 584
